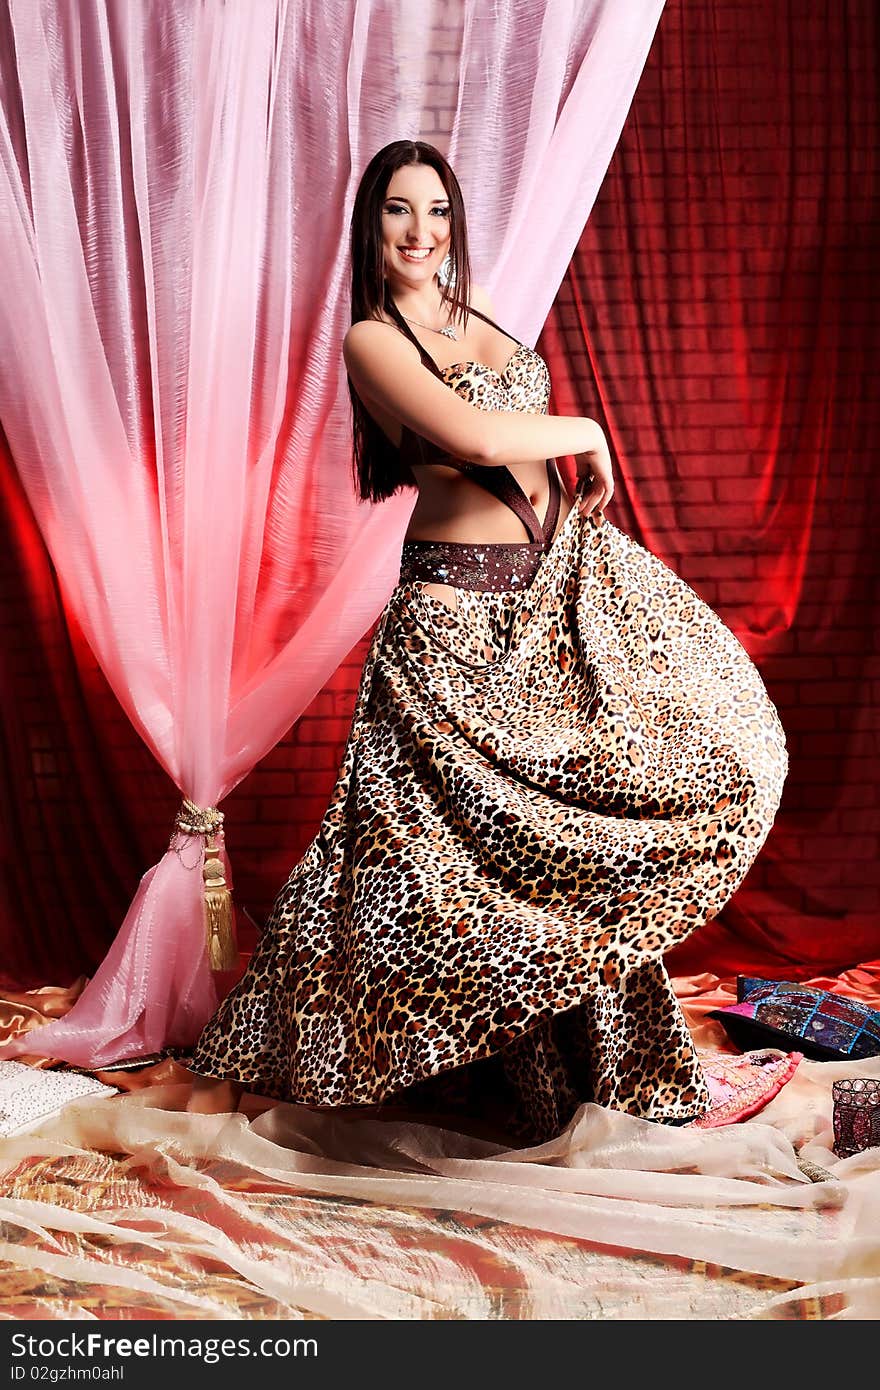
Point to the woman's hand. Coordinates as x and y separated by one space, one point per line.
595 485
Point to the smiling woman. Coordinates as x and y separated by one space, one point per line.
560 763
415 225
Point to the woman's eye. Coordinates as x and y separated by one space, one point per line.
444 212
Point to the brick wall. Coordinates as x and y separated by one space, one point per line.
726 288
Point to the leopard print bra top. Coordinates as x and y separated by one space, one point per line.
524 384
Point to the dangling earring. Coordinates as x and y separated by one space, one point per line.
444 274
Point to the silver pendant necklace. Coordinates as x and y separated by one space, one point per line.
447 332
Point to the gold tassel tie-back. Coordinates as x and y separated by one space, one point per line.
219 917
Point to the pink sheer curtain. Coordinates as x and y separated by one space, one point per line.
175 188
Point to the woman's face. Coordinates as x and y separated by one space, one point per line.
415 217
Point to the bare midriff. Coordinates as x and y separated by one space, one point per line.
451 507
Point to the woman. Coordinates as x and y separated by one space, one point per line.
560 763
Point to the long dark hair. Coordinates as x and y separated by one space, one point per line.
377 468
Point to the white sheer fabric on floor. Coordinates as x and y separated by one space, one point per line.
175 188
300 1213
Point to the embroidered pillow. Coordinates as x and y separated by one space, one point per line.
741 1085
777 1013
29 1095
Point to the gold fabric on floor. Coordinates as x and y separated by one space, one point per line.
129 1207
541 793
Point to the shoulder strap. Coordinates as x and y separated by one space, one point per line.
552 516
486 319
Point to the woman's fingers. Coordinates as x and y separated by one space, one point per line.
596 499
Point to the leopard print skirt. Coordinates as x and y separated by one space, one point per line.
540 794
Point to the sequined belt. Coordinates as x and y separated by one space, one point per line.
466 565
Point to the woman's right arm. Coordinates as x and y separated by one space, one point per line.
384 367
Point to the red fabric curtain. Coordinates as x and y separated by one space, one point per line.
719 318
